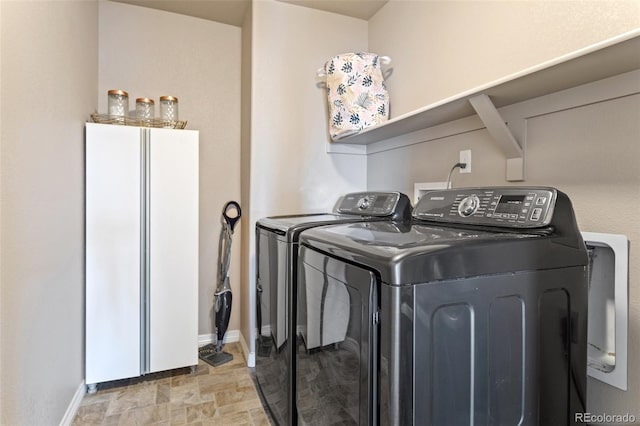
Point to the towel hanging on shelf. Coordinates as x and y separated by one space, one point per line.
357 95
384 60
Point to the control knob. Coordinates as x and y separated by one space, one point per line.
364 203
468 206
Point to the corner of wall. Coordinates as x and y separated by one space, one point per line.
245 173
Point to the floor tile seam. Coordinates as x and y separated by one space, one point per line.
130 408
133 412
90 404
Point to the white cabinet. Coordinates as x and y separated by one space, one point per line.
141 251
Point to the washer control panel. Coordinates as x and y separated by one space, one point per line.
513 207
369 203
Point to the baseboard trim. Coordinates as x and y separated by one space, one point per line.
74 405
229 337
249 356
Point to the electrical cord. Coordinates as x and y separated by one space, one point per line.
455 166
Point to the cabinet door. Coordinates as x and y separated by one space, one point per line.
113 244
173 248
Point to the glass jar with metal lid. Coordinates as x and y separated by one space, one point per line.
144 108
169 108
118 103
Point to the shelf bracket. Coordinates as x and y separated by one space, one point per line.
501 135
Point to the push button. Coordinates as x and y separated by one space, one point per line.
541 201
535 214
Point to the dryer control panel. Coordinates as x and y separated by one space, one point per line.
512 207
369 203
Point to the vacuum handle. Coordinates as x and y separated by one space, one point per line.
231 220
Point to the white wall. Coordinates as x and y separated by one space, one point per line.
150 53
48 86
586 149
290 171
442 48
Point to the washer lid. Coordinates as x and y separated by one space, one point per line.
352 207
283 224
404 253
292 226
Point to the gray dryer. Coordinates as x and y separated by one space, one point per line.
276 270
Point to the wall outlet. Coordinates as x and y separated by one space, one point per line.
465 157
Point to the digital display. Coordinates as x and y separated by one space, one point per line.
510 204
380 201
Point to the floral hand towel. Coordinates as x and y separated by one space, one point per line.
357 95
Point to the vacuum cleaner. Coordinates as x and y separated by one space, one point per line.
212 353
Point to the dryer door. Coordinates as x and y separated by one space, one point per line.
336 360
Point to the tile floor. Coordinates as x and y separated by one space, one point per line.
224 395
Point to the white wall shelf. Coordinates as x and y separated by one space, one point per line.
608 58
